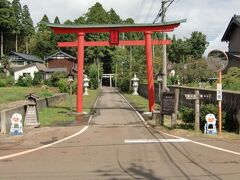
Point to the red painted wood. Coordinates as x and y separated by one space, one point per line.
114 37
80 55
160 28
149 71
121 43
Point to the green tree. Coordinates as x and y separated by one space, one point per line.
37 78
113 17
43 43
6 20
56 20
6 65
28 28
41 26
197 44
96 15
231 80
17 16
178 51
193 72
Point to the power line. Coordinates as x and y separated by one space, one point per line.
149 9
161 10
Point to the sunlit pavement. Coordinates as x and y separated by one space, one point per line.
106 148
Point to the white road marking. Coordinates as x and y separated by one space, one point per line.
135 141
43 147
90 118
48 145
195 142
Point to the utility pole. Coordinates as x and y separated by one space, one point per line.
164 67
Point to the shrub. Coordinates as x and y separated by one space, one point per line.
93 76
3 83
210 109
231 80
10 81
54 79
124 83
63 85
6 81
24 80
37 78
188 114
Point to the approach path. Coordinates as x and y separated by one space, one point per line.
108 149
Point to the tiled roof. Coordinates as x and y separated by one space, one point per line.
86 26
55 70
59 54
41 67
27 57
234 23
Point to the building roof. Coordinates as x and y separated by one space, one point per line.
40 67
94 28
55 70
60 54
235 55
27 57
234 23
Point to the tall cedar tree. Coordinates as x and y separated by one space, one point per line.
41 26
17 16
56 20
6 20
28 28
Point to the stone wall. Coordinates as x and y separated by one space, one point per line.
41 103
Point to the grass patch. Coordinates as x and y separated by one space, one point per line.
15 93
139 102
60 113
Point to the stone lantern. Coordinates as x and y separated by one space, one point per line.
135 84
31 117
85 85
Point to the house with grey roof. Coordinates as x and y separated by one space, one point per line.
61 60
29 69
20 59
232 37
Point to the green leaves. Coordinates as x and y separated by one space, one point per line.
194 47
231 80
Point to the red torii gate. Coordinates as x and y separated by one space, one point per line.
114 30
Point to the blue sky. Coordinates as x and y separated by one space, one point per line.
208 16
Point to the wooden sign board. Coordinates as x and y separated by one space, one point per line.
168 103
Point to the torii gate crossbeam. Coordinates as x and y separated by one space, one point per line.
114 30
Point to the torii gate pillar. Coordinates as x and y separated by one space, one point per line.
149 62
80 60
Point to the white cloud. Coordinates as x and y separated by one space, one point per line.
208 16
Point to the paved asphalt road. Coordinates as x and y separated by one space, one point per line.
101 152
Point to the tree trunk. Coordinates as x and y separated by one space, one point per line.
26 45
1 43
16 43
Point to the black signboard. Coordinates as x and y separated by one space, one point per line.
168 103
